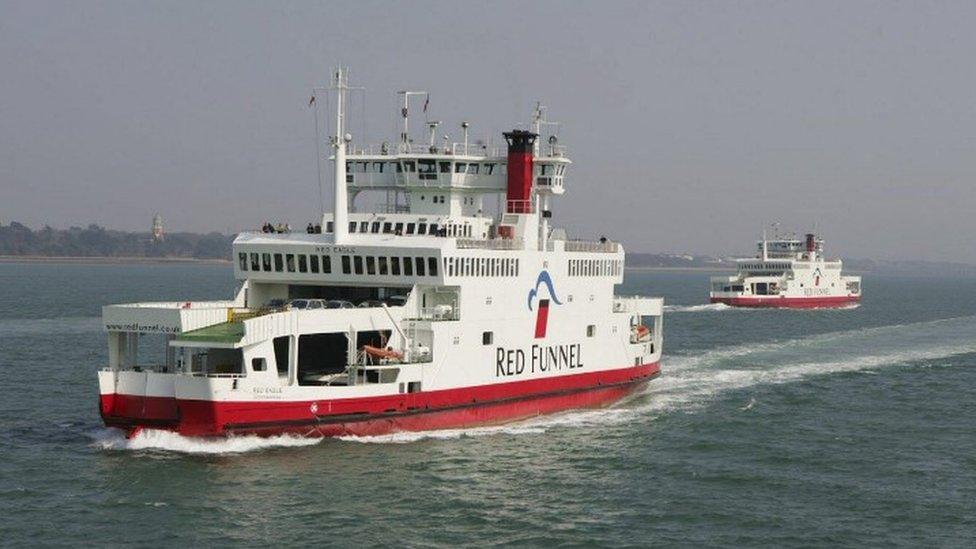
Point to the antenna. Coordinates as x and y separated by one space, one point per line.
405 116
464 128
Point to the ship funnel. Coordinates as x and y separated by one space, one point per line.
520 147
811 243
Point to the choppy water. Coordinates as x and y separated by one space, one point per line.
774 428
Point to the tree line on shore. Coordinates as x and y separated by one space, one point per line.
17 239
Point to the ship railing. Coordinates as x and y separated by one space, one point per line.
552 151
439 313
214 375
520 206
585 246
455 149
490 244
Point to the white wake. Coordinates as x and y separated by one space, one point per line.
704 307
152 439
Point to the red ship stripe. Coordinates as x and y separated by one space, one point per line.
484 404
788 302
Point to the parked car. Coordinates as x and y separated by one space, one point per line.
369 303
304 304
338 304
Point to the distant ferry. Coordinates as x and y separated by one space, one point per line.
788 273
431 312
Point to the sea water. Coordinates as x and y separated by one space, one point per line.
770 428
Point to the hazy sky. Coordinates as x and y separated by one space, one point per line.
689 123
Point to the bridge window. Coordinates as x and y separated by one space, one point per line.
395 266
489 168
433 228
279 263
378 166
370 265
364 226
461 167
427 169
445 167
376 227
387 227
422 228
328 227
345 265
242 259
259 364
327 264
290 262
473 168
383 266
313 263
407 266
398 228
266 262
411 227
420 266
358 263
432 266
302 263
255 264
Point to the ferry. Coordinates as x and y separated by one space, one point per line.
788 273
432 310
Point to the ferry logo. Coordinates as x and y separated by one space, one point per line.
542 316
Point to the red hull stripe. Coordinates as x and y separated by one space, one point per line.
788 302
485 404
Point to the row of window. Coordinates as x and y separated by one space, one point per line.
389 227
379 265
763 266
356 264
595 267
400 228
423 167
482 266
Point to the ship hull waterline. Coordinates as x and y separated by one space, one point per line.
426 411
832 302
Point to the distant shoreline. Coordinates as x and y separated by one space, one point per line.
107 260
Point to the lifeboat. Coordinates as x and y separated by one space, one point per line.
641 333
381 353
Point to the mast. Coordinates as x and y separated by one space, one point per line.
340 225
765 248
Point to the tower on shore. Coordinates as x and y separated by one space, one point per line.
157 229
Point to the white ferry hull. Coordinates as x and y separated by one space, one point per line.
444 409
